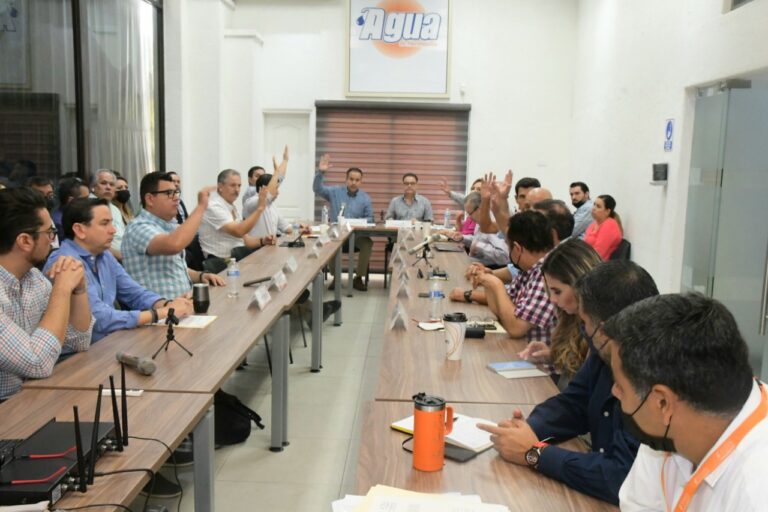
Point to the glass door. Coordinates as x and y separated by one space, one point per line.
742 234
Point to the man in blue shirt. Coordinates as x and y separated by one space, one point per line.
89 231
353 203
582 217
586 406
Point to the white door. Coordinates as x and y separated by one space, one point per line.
291 128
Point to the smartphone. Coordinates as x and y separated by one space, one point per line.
424 295
257 281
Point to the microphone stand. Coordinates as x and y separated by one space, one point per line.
424 256
170 321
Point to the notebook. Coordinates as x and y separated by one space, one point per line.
464 434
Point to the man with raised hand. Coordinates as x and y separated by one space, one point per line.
153 245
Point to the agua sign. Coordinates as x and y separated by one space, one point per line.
398 48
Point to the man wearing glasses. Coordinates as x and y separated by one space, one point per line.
410 205
89 233
153 246
38 316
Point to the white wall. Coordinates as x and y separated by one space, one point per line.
637 65
514 59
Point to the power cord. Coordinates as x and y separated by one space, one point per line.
175 469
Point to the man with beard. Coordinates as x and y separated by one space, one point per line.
586 405
583 215
37 318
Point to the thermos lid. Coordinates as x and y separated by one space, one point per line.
427 403
455 317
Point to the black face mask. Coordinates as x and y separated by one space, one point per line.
591 339
123 196
516 265
50 204
660 444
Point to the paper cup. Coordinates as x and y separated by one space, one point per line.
455 330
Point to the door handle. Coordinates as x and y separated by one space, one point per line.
764 300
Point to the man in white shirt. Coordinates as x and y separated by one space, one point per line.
579 192
682 374
222 228
103 186
270 222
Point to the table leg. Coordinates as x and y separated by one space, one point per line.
337 289
351 261
317 322
202 448
280 340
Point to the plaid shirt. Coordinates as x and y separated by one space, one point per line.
26 350
165 275
532 303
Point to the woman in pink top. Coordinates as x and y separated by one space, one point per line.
605 233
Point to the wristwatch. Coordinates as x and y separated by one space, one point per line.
533 455
468 295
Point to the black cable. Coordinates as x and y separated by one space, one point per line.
145 470
113 505
175 469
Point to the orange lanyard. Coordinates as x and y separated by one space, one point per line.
719 455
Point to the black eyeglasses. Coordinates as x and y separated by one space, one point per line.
168 193
51 232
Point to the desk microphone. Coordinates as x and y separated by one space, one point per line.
434 238
143 365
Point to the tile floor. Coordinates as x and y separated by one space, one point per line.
323 420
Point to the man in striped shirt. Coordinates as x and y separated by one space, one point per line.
37 318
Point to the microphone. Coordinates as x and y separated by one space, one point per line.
341 210
434 238
143 365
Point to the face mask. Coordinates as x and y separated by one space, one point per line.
516 265
591 338
50 204
660 444
123 196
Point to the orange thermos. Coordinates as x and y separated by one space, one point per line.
432 420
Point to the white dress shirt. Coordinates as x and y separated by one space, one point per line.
737 484
214 240
270 222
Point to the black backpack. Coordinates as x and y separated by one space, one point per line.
232 419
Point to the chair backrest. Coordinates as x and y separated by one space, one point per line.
623 251
214 265
194 254
241 252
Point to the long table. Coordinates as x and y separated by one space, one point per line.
382 460
218 349
413 360
165 417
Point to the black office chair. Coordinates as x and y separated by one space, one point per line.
241 252
194 254
623 251
214 265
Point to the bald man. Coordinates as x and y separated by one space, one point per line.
535 195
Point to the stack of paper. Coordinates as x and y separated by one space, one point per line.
382 498
465 433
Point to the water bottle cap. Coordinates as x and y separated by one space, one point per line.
427 403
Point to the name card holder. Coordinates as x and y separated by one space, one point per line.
291 265
261 296
314 252
397 320
279 281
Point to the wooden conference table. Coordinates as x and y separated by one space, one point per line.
413 361
217 349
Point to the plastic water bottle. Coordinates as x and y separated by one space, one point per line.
447 219
435 301
233 278
324 215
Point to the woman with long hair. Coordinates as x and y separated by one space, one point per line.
562 267
605 233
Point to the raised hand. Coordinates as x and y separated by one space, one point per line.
444 187
204 195
325 163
